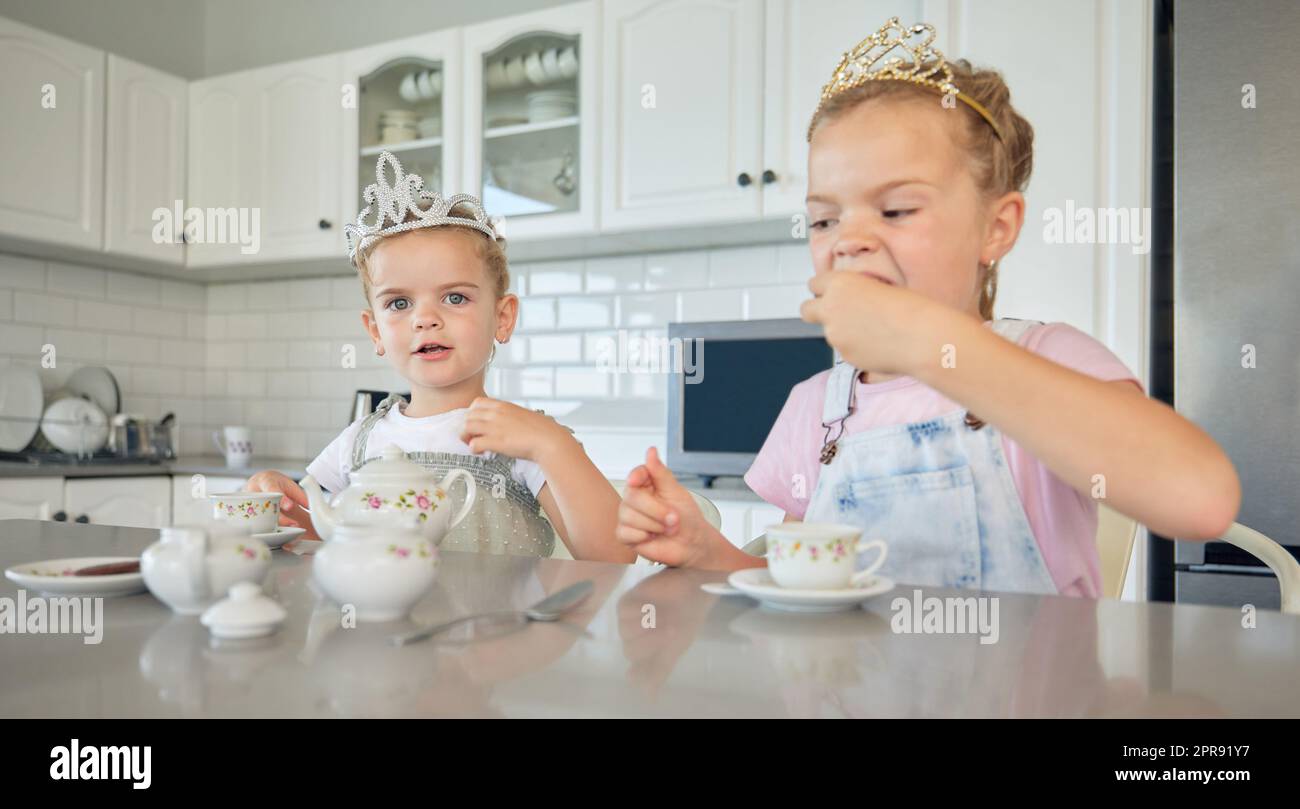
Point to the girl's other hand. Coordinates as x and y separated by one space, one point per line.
492 425
660 519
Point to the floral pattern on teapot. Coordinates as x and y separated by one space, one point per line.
253 552
420 551
422 501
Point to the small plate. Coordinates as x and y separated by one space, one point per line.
281 535
53 576
757 583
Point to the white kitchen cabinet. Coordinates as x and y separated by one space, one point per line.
804 41
30 498
223 164
145 158
535 167
52 138
683 114
189 502
299 121
742 520
136 502
714 128
265 143
376 74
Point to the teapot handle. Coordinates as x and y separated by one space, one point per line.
471 491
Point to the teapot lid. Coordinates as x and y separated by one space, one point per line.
391 467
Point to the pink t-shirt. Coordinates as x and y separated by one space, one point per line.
1063 521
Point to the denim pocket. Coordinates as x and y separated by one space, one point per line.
929 519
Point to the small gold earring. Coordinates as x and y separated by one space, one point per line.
379 351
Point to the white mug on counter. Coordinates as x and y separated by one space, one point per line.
238 448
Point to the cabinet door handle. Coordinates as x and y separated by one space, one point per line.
769 177
325 224
744 179
60 516
83 519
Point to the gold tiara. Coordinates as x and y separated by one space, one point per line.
923 65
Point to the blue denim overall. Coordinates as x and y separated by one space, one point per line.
505 517
938 491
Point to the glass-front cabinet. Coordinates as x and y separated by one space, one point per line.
407 101
530 119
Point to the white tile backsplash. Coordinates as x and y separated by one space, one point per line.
270 354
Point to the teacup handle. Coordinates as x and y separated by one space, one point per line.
863 576
471 491
216 439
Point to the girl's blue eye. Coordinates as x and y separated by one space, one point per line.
393 304
455 298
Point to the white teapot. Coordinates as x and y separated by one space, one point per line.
391 491
191 567
380 571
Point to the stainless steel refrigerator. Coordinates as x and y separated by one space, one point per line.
1227 295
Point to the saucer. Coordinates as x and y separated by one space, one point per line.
53 576
281 535
757 583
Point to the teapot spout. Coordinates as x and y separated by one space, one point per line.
322 515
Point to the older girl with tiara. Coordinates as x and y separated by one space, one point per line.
977 447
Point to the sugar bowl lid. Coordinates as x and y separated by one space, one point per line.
392 467
245 613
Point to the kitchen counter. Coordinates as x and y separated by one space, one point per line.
649 643
185 465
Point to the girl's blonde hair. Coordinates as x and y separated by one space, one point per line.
998 166
491 251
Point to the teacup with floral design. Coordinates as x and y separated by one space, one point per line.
247 512
819 556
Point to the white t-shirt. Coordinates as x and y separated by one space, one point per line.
440 433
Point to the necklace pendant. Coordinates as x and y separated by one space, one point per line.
828 452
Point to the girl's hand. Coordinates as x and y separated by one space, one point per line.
660 520
492 425
876 326
291 505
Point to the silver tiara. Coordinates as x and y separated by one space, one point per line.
392 203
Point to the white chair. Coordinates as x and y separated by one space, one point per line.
710 511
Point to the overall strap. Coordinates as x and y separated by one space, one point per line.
368 424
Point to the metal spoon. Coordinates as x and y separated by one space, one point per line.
548 609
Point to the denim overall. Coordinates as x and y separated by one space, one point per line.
505 517
939 492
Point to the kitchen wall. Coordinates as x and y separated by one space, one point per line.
150 332
271 354
274 344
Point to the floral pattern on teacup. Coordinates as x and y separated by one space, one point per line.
248 509
422 501
833 550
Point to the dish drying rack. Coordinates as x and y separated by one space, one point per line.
161 447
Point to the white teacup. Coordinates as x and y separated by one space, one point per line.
819 556
247 512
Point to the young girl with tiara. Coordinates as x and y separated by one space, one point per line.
434 275
977 448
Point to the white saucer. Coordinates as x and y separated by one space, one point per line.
281 535
720 588
50 577
757 583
